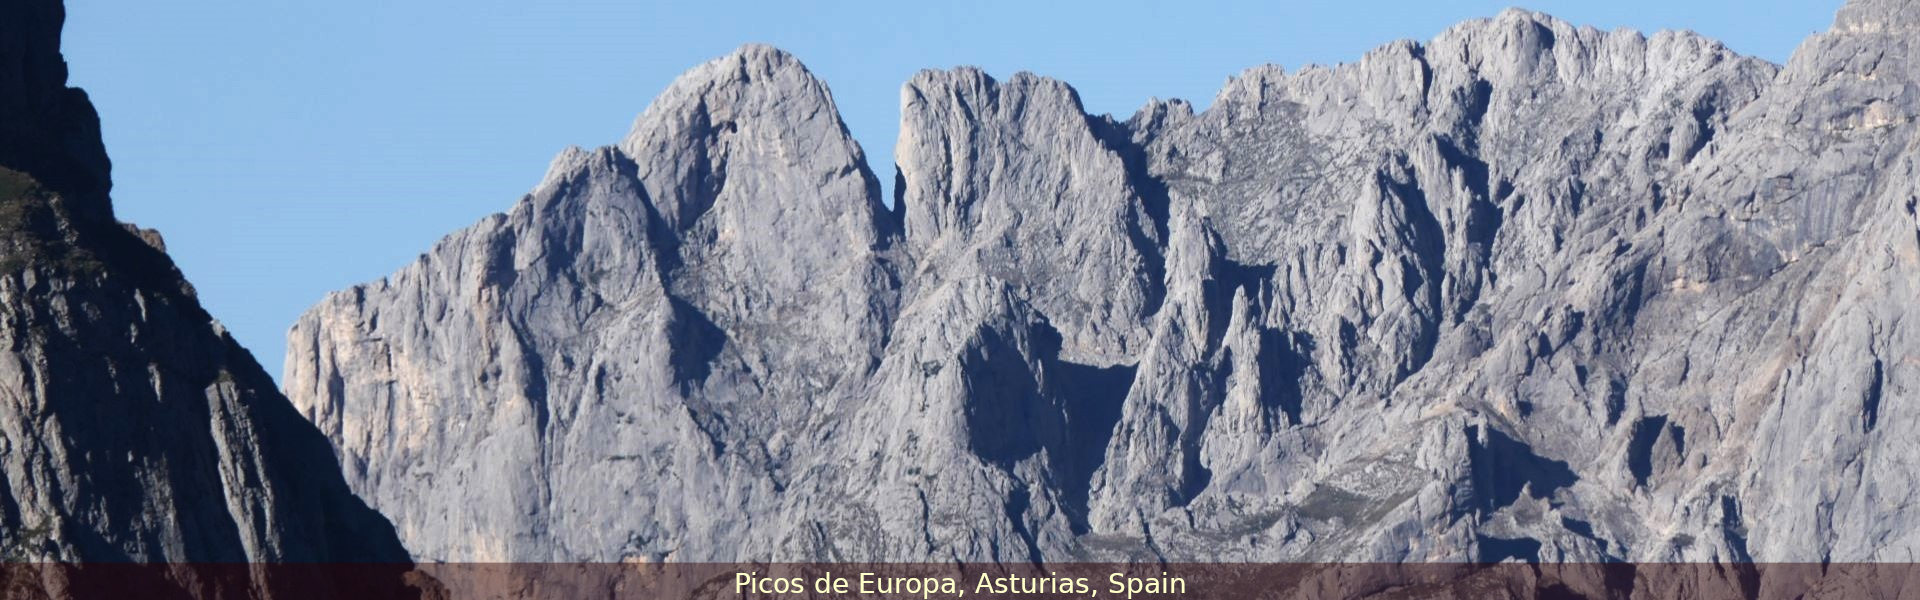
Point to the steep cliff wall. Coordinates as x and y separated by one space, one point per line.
132 427
1527 290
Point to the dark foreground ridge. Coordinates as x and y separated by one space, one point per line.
1632 313
132 428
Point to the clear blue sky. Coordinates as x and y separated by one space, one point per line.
287 149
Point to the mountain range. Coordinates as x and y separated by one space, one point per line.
1527 291
1523 291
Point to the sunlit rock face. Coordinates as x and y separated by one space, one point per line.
1524 291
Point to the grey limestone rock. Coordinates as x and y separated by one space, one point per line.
666 323
1526 291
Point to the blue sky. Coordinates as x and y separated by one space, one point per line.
288 149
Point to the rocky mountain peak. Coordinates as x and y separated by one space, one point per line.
47 128
703 147
1878 16
998 178
1523 291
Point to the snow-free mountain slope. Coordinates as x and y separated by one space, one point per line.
132 428
1525 291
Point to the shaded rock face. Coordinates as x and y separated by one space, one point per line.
1526 291
49 129
132 427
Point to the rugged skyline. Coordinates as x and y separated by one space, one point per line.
1524 291
348 137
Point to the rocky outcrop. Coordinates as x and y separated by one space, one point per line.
132 427
667 319
1527 291
49 129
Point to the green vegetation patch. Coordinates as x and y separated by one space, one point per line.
24 544
14 184
31 231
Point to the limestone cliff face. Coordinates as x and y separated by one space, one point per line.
132 427
665 323
1527 290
